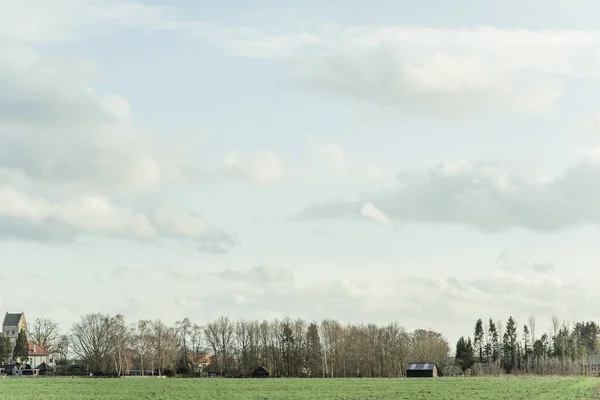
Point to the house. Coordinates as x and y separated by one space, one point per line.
12 325
421 370
37 354
260 372
200 360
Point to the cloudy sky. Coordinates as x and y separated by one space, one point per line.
426 163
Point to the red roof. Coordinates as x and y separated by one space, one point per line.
36 349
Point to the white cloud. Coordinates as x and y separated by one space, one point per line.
40 21
326 162
264 169
370 211
263 273
442 71
452 305
71 160
487 195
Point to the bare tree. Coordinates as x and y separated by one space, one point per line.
91 341
184 331
141 342
121 342
219 335
44 332
165 346
63 347
532 330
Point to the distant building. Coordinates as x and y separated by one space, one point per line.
421 370
260 372
12 325
37 354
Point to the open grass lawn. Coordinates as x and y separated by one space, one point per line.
413 389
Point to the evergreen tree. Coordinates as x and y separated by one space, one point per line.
313 350
5 348
21 350
464 353
494 345
509 345
287 345
478 339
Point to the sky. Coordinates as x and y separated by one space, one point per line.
428 163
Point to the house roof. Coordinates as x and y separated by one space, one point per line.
12 319
421 366
36 349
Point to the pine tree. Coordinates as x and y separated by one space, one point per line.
494 341
464 353
21 350
313 350
5 348
509 345
478 339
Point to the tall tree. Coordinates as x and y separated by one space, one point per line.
219 335
120 338
313 350
6 349
21 350
165 345
184 332
91 341
430 346
464 353
62 348
44 332
493 341
509 345
527 350
478 339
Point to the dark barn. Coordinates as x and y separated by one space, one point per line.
260 372
421 370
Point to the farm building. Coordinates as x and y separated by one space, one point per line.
421 370
260 372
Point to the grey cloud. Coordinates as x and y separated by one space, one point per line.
212 249
259 273
488 195
220 243
51 230
543 267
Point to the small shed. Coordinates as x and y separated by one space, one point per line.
45 369
421 370
260 372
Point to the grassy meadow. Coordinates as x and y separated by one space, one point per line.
413 389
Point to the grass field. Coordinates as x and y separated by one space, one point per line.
327 389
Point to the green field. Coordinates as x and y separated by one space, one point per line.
413 389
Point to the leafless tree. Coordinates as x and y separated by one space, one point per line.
184 331
44 332
63 344
141 345
164 345
121 342
91 341
219 335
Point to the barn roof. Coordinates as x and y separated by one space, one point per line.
421 366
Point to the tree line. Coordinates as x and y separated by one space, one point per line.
108 344
565 350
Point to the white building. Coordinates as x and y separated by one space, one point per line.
37 354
